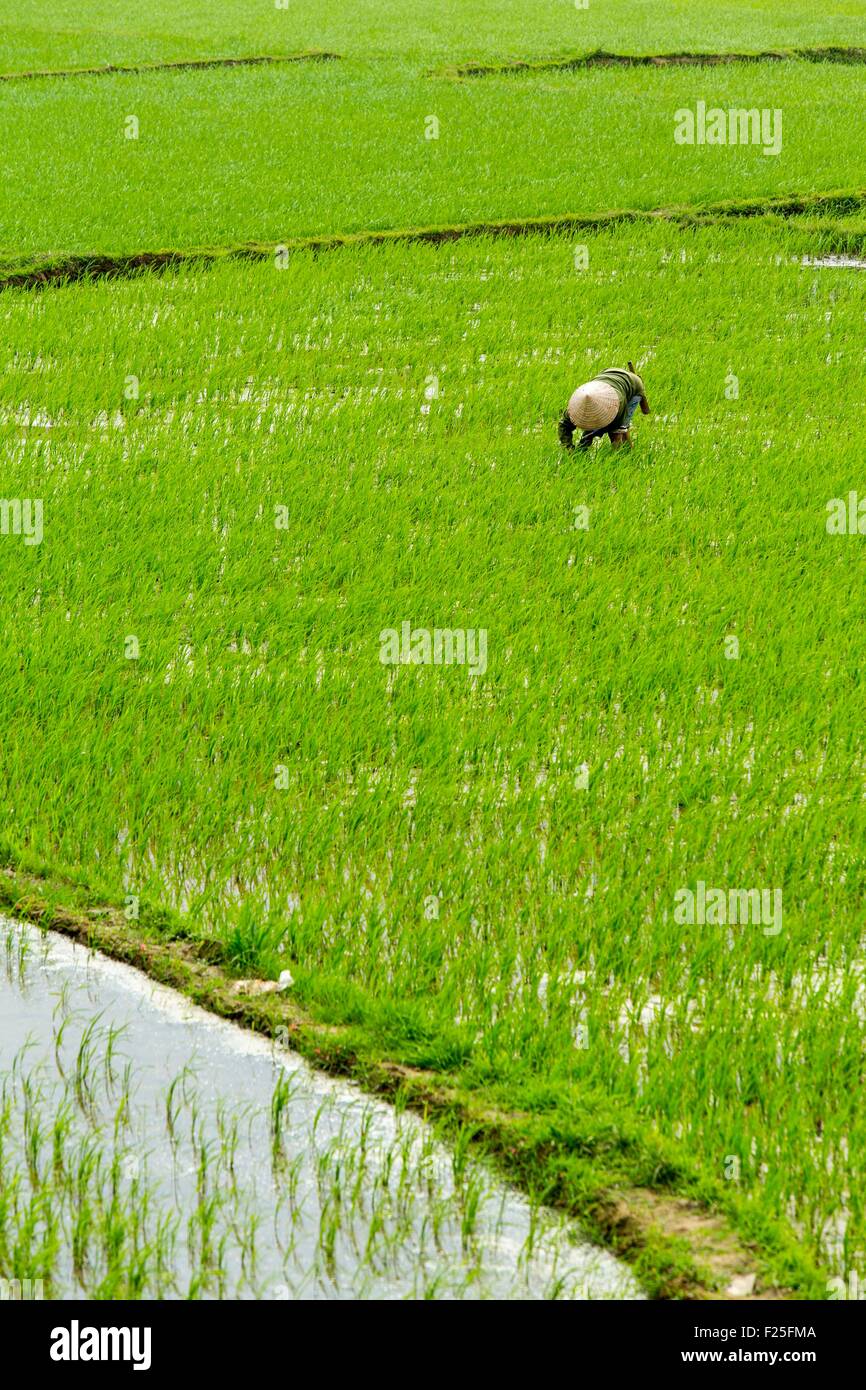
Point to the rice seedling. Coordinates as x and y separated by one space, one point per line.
364 808
236 489
104 1198
34 37
365 161
176 1095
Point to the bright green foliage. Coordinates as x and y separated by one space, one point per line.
245 476
68 34
367 438
240 154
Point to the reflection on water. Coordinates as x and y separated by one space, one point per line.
150 1149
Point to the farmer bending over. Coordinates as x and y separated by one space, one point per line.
604 405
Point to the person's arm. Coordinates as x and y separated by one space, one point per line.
566 431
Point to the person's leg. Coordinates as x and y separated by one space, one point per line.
629 411
620 435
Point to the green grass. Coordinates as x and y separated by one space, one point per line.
67 34
471 875
430 859
270 153
831 221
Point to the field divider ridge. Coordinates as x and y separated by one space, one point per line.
600 58
61 270
312 55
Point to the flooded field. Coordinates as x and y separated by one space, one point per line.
836 262
149 1149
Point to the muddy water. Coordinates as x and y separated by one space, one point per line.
154 1150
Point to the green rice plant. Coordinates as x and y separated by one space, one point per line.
252 942
89 1047
34 36
88 1207
366 162
176 1095
307 391
460 865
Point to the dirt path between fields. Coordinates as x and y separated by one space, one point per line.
314 55
66 269
601 59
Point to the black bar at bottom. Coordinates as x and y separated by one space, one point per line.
77 1339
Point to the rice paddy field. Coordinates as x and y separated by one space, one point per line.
152 1151
245 492
320 147
77 35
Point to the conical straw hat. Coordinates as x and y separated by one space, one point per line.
594 405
